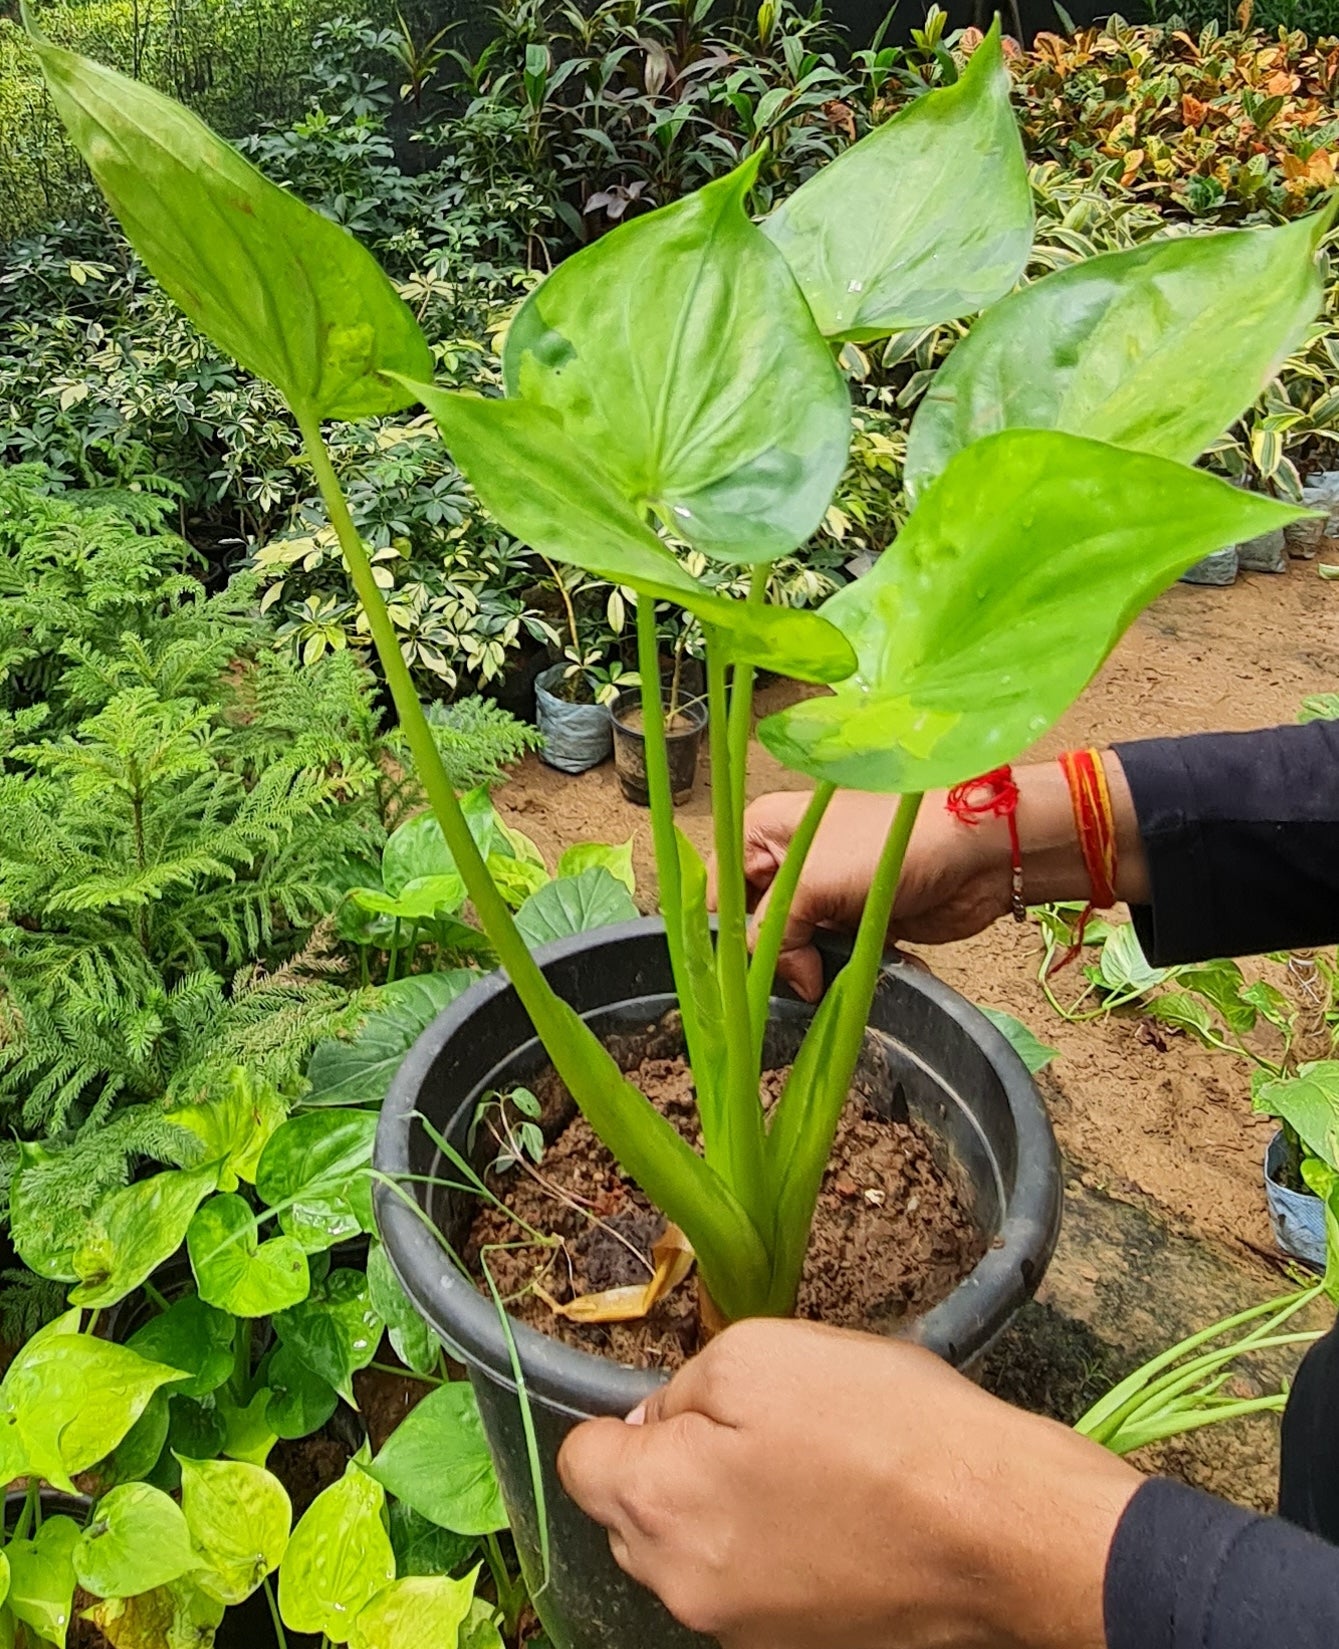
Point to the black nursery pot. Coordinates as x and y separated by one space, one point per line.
938 1060
682 746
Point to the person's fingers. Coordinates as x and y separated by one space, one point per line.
595 1465
799 964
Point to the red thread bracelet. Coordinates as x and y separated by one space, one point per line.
1095 826
994 796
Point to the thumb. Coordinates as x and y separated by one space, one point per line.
799 963
595 1465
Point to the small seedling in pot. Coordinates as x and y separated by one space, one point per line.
519 1138
676 382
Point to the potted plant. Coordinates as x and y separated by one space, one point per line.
572 697
1029 549
685 720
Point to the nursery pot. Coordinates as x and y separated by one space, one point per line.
1297 1217
683 742
576 736
939 1061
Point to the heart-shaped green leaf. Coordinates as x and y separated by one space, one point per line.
317 1171
281 289
135 1540
338 1559
134 1229
300 1401
1309 1104
237 1272
1003 594
616 859
414 1342
335 1331
558 497
177 1616
41 1579
239 1517
418 1610
191 1336
1158 349
575 904
927 218
359 1072
232 1126
437 1461
699 376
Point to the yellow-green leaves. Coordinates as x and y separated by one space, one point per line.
556 495
927 218
1009 585
136 1539
1158 349
437 1461
238 1516
338 1559
284 291
679 350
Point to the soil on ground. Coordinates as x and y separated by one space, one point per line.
891 1236
1153 1127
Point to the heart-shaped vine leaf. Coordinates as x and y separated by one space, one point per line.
1010 584
317 1171
284 291
134 1229
335 1331
437 1461
698 377
927 218
1158 349
559 498
359 1071
42 1579
191 1336
417 1610
238 1516
338 1559
237 1272
575 904
135 1540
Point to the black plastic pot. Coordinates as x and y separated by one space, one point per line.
682 746
937 1059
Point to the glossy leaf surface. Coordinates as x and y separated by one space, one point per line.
1006 590
338 1559
574 904
418 1610
232 1127
698 376
284 291
335 1331
1309 1104
437 1461
359 1072
317 1171
615 858
238 1517
551 493
42 1580
413 1342
135 1540
1158 349
134 1230
192 1336
926 219
237 1272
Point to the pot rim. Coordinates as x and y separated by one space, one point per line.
579 1384
695 711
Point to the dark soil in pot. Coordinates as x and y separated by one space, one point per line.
683 744
892 1236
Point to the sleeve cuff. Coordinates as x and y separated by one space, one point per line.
1163 1570
1178 925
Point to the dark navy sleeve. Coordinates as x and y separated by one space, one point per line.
1242 836
1187 1571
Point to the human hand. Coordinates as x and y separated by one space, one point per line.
800 1487
955 878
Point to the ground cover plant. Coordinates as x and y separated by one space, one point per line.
701 443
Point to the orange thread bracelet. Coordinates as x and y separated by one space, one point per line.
994 796
1095 825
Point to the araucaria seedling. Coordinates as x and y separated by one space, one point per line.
677 383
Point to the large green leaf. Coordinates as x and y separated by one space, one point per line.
238 1516
359 1072
1029 1047
135 1540
574 904
232 1126
616 859
1003 594
1158 349
335 1331
927 218
338 1559
559 497
1309 1104
41 1579
134 1229
237 1272
679 348
418 1610
283 290
437 1461
68 1399
191 1336
317 1169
